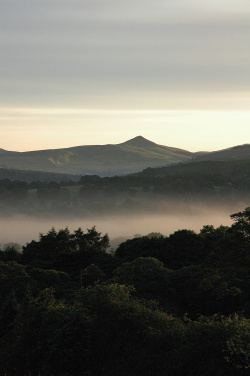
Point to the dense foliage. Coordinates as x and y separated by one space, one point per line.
176 305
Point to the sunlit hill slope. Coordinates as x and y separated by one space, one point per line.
131 156
104 160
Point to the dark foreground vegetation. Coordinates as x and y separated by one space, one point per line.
177 305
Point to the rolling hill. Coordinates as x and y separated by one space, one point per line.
239 152
237 169
128 157
104 160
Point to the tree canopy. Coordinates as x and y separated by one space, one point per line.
157 305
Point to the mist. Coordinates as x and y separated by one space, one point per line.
22 229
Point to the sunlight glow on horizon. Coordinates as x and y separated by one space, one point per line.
55 128
97 73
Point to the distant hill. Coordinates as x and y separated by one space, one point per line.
2 151
222 181
237 169
128 157
231 154
104 160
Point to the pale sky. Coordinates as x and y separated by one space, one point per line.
103 71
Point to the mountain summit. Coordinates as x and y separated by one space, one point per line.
139 142
105 160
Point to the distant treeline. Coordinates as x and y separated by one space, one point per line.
219 182
31 176
176 305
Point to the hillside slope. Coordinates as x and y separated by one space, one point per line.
240 152
105 160
128 157
238 169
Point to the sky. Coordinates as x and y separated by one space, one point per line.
88 72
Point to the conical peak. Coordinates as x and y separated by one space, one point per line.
139 141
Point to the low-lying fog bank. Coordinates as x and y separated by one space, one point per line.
23 229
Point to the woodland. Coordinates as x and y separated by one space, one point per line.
207 182
157 305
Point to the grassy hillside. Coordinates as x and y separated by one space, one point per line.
104 160
108 160
234 169
235 153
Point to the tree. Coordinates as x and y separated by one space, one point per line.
91 275
128 337
53 244
14 287
217 345
70 252
185 248
242 222
148 275
48 338
42 279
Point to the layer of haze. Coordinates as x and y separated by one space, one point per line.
176 72
21 229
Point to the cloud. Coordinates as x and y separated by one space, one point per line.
94 47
